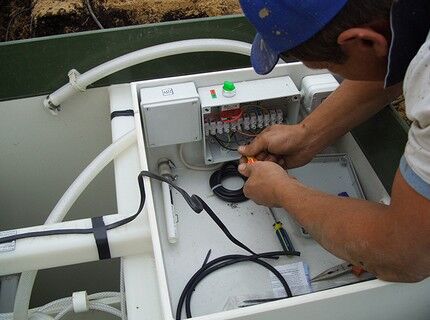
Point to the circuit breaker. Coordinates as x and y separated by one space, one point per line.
234 113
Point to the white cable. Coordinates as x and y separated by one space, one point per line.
194 167
26 282
103 295
55 99
64 312
105 308
40 316
57 306
122 290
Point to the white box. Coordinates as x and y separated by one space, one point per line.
316 88
171 114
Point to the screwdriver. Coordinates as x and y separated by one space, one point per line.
282 235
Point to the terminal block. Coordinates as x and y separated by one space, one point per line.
234 113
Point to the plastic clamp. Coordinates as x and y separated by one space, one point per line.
80 302
73 80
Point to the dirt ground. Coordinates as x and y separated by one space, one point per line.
22 19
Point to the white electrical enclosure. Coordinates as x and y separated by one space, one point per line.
171 114
263 102
155 280
316 88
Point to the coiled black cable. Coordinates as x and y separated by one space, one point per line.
229 169
224 261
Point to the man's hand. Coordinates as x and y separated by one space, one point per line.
266 182
287 145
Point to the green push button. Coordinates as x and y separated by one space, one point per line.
228 86
228 89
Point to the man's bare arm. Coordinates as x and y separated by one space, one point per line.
390 241
351 104
295 145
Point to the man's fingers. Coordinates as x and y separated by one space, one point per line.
261 156
272 158
243 160
245 169
257 146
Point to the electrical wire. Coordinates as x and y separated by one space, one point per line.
237 117
122 290
224 261
195 202
194 167
229 169
92 14
221 143
47 311
251 135
198 205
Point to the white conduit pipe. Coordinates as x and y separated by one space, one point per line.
26 282
79 82
90 172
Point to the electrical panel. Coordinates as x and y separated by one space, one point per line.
233 114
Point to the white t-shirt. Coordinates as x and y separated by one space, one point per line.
416 89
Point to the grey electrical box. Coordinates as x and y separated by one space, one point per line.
171 114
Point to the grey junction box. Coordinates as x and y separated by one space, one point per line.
171 114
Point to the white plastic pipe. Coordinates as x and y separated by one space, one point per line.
26 282
79 82
61 250
172 232
90 172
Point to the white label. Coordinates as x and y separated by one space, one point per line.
297 277
8 246
167 92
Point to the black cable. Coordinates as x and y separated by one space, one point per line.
86 230
194 201
197 205
122 113
221 143
222 262
229 169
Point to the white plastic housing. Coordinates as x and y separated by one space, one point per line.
171 114
316 88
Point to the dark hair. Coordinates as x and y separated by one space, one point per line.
324 47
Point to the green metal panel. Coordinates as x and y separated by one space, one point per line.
38 66
383 140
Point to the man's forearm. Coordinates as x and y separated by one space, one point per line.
364 233
351 104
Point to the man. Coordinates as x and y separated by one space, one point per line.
374 46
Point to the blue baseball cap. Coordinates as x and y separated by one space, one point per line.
285 24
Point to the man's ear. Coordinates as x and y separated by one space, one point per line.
363 39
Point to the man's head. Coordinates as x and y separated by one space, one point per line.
348 37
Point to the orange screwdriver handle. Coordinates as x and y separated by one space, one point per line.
251 160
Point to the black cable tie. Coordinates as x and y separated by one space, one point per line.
100 235
122 113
